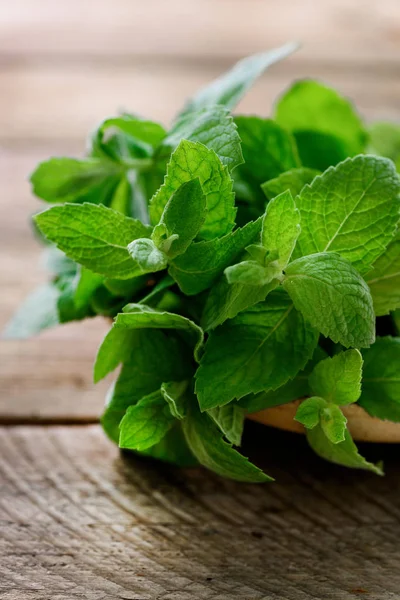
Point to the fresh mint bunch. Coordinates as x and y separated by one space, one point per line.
245 261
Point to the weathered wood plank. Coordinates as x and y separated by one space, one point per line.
68 102
79 520
364 31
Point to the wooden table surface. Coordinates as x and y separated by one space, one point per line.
77 519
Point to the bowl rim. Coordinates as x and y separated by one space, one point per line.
362 426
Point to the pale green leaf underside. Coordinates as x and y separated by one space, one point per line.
308 412
344 453
230 420
352 209
139 316
230 87
211 450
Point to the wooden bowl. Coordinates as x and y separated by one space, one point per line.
362 426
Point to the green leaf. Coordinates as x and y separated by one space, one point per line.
230 420
385 140
203 262
85 286
145 423
229 88
210 449
384 279
192 160
293 180
75 180
281 227
333 297
333 423
172 449
294 389
226 300
37 312
213 127
311 106
352 209
183 217
309 411
94 236
319 150
146 255
252 273
121 138
260 349
338 379
139 316
380 395
149 358
268 151
344 453
175 394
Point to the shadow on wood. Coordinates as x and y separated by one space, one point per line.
81 520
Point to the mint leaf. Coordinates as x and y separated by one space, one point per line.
213 127
147 256
226 300
268 151
182 219
203 262
338 379
172 448
149 358
208 446
175 394
230 421
95 236
192 160
380 395
293 180
85 286
229 88
145 423
352 209
75 180
333 297
121 138
384 279
333 423
309 106
343 453
385 140
39 311
281 227
260 349
139 316
309 411
251 273
294 389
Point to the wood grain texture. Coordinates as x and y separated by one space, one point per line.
78 520
67 103
361 31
